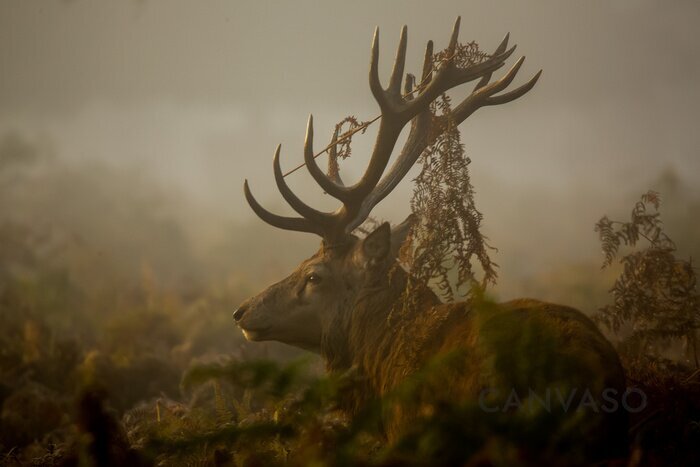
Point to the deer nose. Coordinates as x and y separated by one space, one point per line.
238 314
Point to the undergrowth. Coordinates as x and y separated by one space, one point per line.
100 368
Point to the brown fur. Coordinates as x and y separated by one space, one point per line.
345 301
364 329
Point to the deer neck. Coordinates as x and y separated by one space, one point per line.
368 340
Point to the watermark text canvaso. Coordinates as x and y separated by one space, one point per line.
632 400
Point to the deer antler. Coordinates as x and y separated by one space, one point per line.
397 110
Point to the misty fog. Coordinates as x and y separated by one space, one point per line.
127 129
133 124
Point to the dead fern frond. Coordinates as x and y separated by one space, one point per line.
464 55
447 236
656 293
642 224
343 148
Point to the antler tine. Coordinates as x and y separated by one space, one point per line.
327 225
484 95
397 110
329 186
390 125
455 35
435 83
408 86
399 63
286 223
515 93
449 76
499 50
415 144
502 46
427 63
298 205
375 84
505 81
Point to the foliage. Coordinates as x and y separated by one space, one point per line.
113 352
655 304
342 149
293 419
464 55
443 196
101 310
656 293
668 432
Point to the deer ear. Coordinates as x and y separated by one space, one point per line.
376 245
399 234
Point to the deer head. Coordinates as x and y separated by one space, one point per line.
302 308
316 301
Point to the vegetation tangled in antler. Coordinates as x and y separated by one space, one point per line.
342 149
443 195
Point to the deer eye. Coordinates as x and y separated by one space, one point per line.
313 278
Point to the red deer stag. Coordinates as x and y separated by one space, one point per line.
337 302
